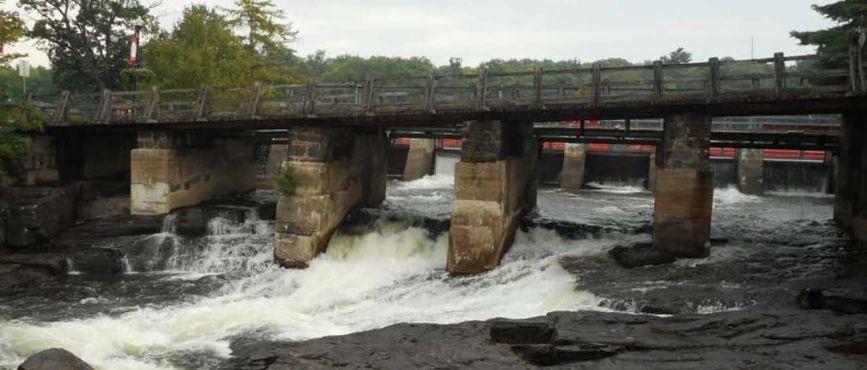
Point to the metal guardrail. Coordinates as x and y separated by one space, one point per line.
714 81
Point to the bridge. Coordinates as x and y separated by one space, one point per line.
183 146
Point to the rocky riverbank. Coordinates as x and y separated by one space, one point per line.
783 332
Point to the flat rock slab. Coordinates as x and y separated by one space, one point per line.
640 255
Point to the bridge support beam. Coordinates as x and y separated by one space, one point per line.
495 185
174 169
751 171
651 171
572 175
684 188
334 170
420 159
850 204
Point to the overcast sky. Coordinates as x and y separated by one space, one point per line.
477 30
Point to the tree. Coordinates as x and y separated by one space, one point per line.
849 15
11 29
86 40
17 119
265 25
679 56
201 50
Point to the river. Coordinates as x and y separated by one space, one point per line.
183 301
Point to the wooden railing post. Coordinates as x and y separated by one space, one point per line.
482 89
255 100
779 74
310 99
61 108
713 88
658 80
856 70
369 93
430 89
201 112
597 85
103 114
537 86
151 113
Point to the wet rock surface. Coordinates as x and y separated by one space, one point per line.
786 338
54 359
639 255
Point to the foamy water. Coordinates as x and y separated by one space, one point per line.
393 274
390 275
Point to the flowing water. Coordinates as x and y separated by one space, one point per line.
183 301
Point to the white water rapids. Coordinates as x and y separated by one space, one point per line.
391 275
395 274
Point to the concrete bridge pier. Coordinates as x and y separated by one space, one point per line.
572 175
684 187
40 164
850 204
751 171
334 170
174 169
495 185
419 159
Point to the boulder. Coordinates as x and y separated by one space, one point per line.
98 261
24 271
54 359
37 214
813 299
541 331
639 255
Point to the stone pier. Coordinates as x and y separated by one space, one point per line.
419 159
174 169
277 154
495 185
751 171
684 187
40 165
572 176
850 204
334 170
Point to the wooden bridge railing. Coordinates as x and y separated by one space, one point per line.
714 81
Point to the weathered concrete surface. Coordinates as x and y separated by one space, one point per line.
495 185
572 176
40 165
751 171
420 159
276 156
684 188
334 171
850 205
174 170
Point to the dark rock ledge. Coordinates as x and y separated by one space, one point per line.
780 338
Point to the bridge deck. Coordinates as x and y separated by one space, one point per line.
772 86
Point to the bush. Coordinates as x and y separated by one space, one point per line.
286 181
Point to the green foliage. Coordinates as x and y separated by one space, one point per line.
286 181
137 79
679 56
267 29
354 68
86 41
40 83
11 30
203 49
849 15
